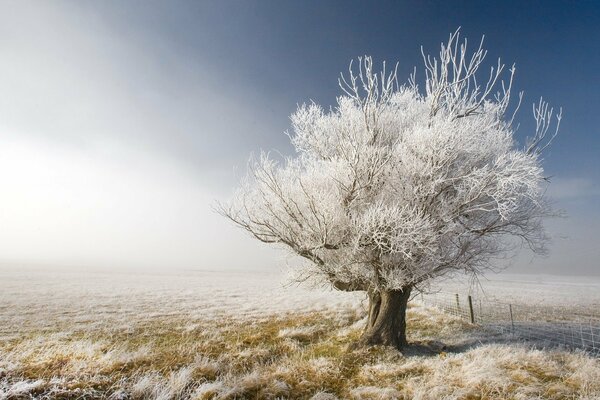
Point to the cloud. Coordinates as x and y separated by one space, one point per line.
113 146
74 74
116 134
62 207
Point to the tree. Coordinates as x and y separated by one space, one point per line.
397 186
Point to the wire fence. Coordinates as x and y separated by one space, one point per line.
546 326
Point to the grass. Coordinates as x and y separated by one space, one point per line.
300 355
243 336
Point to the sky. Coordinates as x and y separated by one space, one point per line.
122 123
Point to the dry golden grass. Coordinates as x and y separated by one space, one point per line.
295 355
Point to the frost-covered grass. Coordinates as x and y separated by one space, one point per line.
204 336
533 298
544 291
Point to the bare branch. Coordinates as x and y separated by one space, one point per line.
395 187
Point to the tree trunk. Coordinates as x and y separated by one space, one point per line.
386 324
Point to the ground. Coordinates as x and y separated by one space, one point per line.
205 335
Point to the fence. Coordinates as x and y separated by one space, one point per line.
546 326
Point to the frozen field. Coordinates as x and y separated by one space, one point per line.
531 298
33 299
543 290
228 335
46 300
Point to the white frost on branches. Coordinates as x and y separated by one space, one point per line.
396 186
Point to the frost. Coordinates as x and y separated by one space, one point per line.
398 184
228 354
23 388
375 393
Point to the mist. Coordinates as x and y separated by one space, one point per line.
121 127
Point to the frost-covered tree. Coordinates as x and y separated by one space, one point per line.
399 185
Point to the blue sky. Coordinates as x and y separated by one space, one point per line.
122 121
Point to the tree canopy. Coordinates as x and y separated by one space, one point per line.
398 185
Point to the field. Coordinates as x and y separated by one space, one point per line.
234 335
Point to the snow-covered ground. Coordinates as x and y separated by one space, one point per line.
542 289
33 299
227 335
532 298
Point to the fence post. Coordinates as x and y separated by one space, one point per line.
471 314
512 321
592 337
457 304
